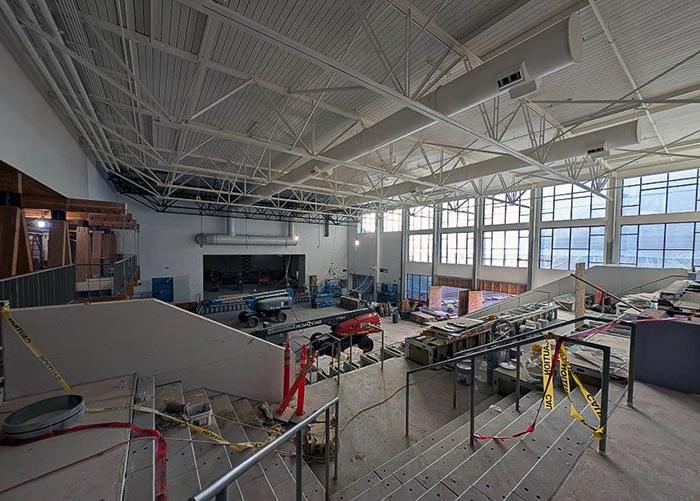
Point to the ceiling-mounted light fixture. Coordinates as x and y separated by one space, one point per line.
41 223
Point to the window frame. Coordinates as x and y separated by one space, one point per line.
399 220
495 202
521 262
362 229
451 255
421 218
416 254
566 194
548 264
664 249
640 185
458 210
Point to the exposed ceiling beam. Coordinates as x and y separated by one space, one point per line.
233 18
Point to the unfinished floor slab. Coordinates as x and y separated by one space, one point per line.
370 438
652 452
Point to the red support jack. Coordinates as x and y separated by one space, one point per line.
302 385
287 367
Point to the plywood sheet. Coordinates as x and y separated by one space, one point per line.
82 254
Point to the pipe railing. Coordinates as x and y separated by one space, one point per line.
219 488
515 342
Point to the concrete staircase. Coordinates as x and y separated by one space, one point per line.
443 466
195 462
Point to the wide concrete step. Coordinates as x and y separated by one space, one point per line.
430 476
212 459
546 476
490 452
140 476
254 483
281 477
182 475
382 475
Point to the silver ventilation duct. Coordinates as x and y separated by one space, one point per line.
515 71
596 143
230 237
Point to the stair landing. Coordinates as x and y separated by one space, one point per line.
98 478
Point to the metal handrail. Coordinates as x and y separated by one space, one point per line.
218 489
515 342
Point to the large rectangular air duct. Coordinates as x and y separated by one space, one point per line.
619 136
545 53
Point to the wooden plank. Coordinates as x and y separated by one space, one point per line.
15 254
82 254
59 245
11 180
96 254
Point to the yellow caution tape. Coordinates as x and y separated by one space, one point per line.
566 372
22 334
547 377
239 446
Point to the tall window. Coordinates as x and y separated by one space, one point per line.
459 213
505 248
420 248
457 248
418 286
367 223
562 248
392 220
511 209
420 218
661 193
671 245
568 201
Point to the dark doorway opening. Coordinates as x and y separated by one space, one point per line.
252 272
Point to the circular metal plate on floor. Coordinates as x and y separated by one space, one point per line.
44 416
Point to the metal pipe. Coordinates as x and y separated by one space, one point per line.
299 459
471 402
337 439
381 352
454 387
605 393
631 367
408 375
327 469
517 380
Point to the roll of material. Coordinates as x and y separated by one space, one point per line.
43 416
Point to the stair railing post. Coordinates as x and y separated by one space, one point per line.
299 459
602 443
339 349
328 453
337 440
631 366
408 375
471 401
517 379
454 387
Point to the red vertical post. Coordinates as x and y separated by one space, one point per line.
287 367
302 376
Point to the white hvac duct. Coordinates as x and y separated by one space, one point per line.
515 70
230 237
596 143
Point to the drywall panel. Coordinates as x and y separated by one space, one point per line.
34 140
89 342
503 274
167 247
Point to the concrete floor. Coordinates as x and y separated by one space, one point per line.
652 452
377 435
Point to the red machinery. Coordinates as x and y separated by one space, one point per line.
351 332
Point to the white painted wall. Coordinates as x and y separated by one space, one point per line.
167 247
34 140
362 259
147 337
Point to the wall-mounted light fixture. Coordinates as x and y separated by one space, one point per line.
357 242
41 223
